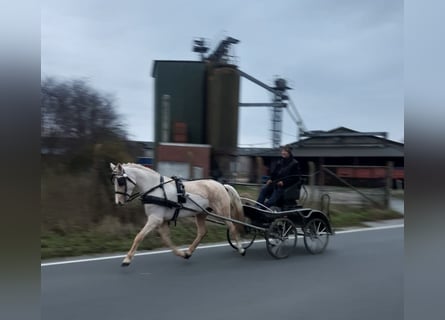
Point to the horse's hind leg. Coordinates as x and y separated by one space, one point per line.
201 231
234 232
164 232
152 223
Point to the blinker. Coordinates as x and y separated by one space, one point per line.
121 181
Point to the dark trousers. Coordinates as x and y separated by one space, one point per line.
270 194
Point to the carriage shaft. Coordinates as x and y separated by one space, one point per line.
225 218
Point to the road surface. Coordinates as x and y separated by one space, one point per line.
359 276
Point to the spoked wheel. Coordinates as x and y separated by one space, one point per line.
281 238
247 237
316 235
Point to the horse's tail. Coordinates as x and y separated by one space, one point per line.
236 206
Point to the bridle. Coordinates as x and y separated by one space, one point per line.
122 181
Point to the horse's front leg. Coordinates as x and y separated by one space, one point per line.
164 232
152 223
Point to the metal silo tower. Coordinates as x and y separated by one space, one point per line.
280 100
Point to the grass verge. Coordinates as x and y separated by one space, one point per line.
105 239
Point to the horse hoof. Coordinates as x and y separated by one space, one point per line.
125 264
187 255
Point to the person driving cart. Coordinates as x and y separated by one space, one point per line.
285 174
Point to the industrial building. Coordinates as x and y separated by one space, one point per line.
196 107
351 155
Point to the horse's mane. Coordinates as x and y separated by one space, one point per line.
137 165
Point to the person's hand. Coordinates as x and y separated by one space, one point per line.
269 181
280 183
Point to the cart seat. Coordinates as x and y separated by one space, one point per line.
290 197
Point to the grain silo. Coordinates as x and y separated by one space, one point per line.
222 108
196 106
222 115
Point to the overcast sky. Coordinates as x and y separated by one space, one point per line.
342 58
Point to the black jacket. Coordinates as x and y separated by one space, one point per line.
287 170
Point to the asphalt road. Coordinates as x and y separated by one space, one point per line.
359 276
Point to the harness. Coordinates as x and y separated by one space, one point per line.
146 198
122 181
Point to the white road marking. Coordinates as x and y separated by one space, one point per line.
371 229
56 263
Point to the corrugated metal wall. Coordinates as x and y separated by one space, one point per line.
184 82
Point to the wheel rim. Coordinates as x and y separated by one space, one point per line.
281 238
316 236
247 237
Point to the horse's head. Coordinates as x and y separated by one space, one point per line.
123 184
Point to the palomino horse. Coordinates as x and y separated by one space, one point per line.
166 199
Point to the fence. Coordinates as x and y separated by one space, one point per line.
352 185
364 186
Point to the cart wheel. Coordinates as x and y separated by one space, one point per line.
281 238
247 237
316 235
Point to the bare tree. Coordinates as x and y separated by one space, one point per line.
73 109
81 132
75 118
